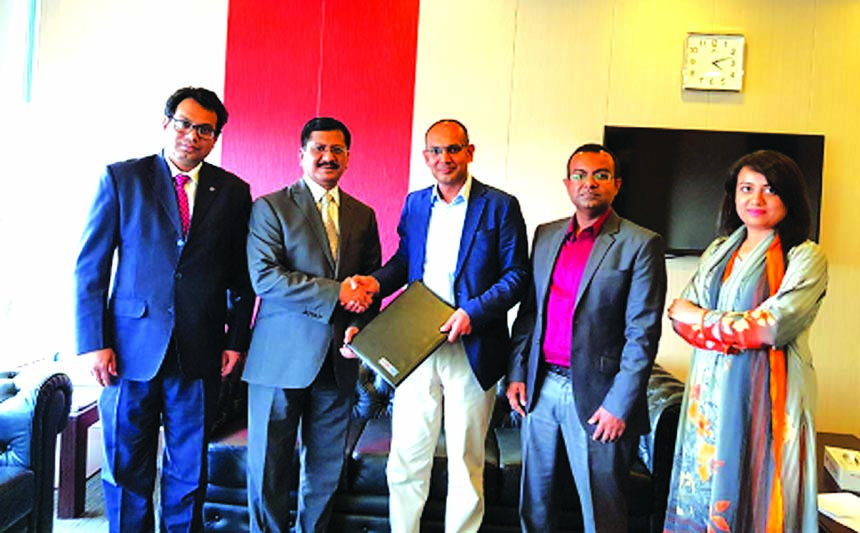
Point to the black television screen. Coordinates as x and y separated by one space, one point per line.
672 179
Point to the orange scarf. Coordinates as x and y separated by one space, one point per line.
775 268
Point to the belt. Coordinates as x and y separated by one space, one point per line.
558 370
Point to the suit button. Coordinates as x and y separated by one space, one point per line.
180 243
177 275
170 310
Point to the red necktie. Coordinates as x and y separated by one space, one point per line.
182 198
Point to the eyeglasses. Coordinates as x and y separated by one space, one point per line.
600 175
451 149
319 149
204 131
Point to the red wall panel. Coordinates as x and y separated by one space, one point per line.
288 61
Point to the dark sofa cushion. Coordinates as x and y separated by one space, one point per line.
17 492
361 503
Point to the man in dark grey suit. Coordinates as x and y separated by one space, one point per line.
303 242
585 339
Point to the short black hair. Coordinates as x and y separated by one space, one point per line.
325 124
207 100
594 148
787 180
451 120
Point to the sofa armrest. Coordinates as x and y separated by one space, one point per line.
30 421
665 393
657 448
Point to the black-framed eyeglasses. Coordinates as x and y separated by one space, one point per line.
600 175
451 149
204 131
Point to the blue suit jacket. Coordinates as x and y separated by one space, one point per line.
491 274
196 289
616 319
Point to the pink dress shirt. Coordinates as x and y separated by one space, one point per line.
566 277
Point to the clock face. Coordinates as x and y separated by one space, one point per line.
713 62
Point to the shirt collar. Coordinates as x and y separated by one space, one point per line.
591 230
462 195
194 173
318 191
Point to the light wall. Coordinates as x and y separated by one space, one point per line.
104 70
534 79
531 78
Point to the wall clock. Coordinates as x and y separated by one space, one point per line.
713 62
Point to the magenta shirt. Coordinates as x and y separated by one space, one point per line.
566 277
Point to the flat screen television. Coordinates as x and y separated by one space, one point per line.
672 179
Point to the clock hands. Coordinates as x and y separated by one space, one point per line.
718 62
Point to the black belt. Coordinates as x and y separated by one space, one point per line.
558 370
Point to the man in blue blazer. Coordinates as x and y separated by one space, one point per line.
467 242
172 317
584 341
297 379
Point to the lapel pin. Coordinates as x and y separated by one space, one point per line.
211 189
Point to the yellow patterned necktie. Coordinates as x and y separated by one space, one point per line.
328 208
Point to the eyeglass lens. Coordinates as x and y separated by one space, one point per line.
203 130
319 149
451 149
600 175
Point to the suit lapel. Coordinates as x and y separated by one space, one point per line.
546 257
304 199
605 240
162 185
420 226
346 216
474 211
208 187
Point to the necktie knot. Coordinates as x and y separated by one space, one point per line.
182 179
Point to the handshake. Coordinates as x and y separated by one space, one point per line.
357 292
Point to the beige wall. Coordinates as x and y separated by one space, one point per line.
531 78
534 79
104 69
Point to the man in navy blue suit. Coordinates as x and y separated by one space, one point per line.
175 317
467 242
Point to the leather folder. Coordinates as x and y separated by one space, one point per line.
404 334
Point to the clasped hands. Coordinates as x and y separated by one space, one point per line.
357 292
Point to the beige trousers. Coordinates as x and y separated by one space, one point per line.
443 390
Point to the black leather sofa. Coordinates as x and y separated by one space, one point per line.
362 500
34 408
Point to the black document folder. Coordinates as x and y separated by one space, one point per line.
404 334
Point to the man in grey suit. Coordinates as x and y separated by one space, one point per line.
303 241
584 342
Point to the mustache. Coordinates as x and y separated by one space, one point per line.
331 164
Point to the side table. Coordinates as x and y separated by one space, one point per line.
73 451
825 481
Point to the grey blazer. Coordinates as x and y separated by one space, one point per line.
294 274
616 322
